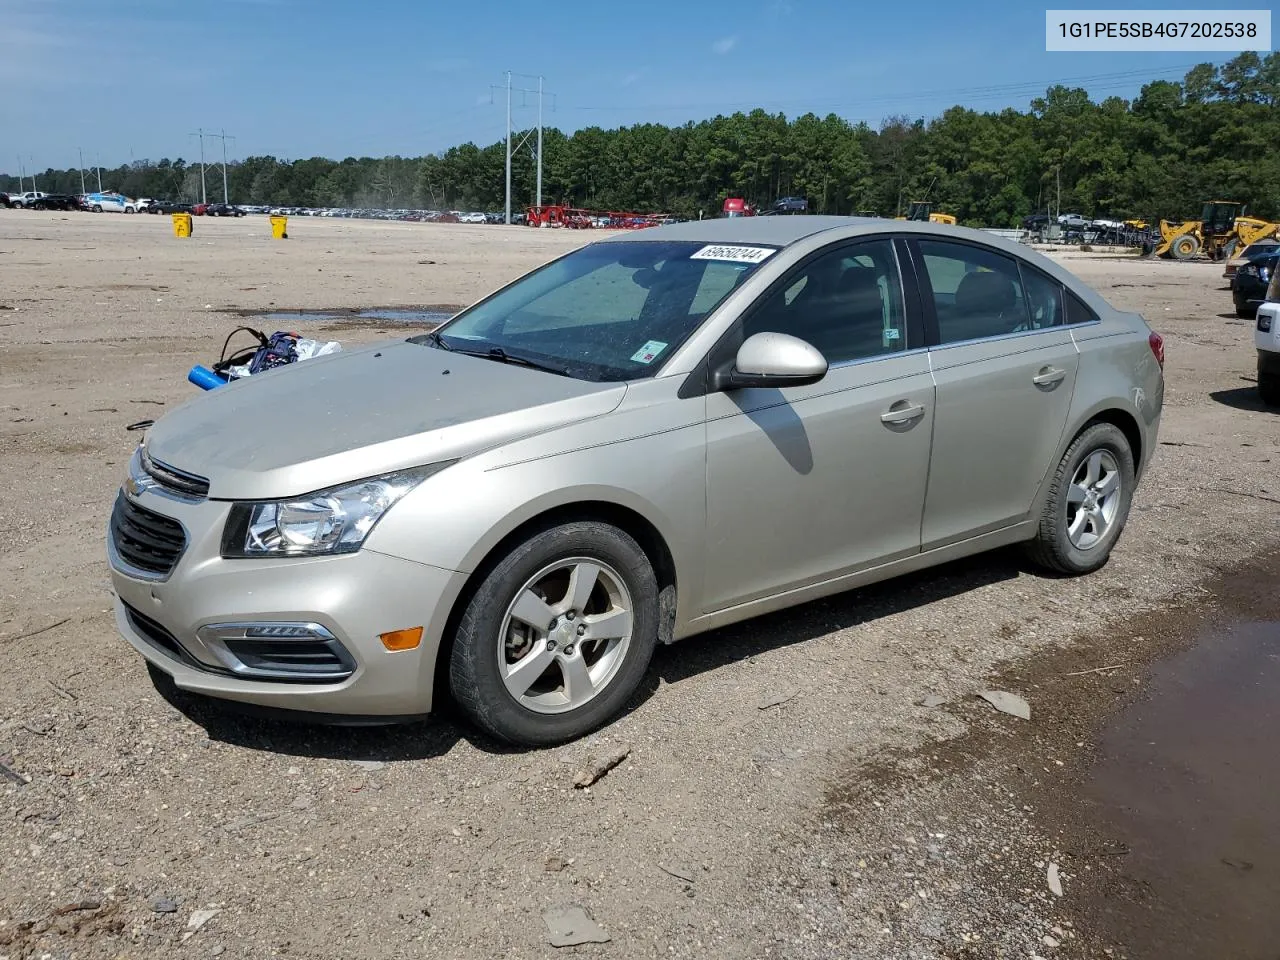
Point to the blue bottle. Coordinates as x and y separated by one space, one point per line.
204 378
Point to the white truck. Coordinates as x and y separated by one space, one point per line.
26 199
1266 337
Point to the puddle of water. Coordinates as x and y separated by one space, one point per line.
1189 782
416 317
408 317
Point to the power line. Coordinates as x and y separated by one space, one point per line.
1105 80
522 91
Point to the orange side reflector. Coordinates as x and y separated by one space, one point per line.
402 639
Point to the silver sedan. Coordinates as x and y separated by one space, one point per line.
658 434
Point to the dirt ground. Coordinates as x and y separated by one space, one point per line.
787 793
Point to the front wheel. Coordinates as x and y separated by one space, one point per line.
558 635
1089 498
97 208
1269 389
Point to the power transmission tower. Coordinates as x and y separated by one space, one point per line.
523 91
203 195
224 138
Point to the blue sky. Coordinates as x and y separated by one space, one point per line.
128 79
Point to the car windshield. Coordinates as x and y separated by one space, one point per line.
610 311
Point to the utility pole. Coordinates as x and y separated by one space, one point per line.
508 220
34 185
204 197
226 198
82 189
22 174
98 169
539 199
510 152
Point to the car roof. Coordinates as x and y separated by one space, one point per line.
777 231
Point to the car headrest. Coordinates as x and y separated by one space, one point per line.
985 292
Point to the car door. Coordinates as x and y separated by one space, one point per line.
1005 368
808 483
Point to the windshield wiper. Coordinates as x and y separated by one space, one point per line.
497 353
436 340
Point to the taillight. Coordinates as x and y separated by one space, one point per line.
1157 347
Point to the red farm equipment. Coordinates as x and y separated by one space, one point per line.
577 218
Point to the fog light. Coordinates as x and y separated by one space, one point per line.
407 639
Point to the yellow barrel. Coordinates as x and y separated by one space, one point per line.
279 227
182 224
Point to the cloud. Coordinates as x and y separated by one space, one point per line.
724 45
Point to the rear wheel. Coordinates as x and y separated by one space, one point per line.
1185 247
97 208
1089 498
558 635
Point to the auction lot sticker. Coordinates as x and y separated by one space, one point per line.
720 251
1228 31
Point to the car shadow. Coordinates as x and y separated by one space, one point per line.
438 734
424 739
1241 398
717 648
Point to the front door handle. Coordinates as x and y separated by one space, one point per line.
1049 377
904 411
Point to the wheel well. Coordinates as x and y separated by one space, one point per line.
1125 422
624 518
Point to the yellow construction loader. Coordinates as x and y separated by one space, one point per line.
922 210
1221 230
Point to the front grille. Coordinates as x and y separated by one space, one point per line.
145 540
182 483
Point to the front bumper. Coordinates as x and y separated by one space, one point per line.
354 597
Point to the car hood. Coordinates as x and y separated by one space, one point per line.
351 415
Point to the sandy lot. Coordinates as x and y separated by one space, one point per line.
765 809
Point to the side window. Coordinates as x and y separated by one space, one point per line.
977 292
1044 298
1077 312
847 303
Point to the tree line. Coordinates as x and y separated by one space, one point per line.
1214 135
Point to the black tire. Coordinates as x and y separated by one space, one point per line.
1245 311
474 676
97 208
1052 548
1269 389
1185 247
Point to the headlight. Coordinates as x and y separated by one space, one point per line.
1264 274
319 524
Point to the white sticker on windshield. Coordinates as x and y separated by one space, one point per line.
716 251
649 352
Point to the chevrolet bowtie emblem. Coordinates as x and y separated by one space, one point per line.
134 486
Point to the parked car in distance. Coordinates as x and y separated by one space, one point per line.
26 198
5 202
168 206
1249 285
223 210
573 494
109 202
56 201
1256 249
1266 337
472 217
1036 222
1073 221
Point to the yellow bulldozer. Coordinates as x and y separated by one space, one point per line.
922 210
1221 231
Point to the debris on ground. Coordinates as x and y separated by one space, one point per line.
1006 702
778 700
66 908
571 925
933 700
198 919
13 774
369 764
164 905
1054 881
597 768
556 865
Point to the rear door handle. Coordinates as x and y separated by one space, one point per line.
904 411
1049 377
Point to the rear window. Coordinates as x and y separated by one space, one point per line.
1078 312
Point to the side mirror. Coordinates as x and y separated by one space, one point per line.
772 360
